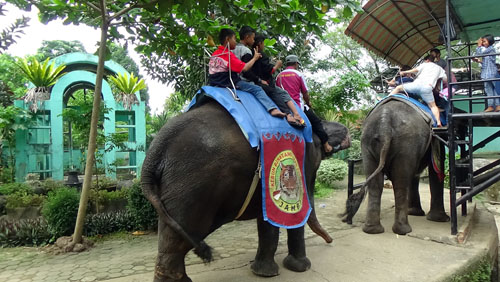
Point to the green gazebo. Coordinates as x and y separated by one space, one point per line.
44 148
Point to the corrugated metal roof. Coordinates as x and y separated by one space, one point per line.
401 31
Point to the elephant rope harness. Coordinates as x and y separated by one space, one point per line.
251 191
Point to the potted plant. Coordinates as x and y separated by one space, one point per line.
42 76
127 87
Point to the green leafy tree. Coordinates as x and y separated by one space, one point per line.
12 77
9 35
54 48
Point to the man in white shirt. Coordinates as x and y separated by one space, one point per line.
428 74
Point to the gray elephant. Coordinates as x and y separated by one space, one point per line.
396 141
197 174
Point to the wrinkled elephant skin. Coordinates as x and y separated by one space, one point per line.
396 142
197 174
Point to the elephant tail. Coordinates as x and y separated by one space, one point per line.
354 201
149 189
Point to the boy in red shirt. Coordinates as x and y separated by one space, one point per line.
224 66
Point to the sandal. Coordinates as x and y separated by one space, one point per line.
293 122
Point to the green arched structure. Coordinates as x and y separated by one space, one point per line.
40 149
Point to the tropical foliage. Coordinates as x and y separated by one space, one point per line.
177 28
43 76
127 86
9 35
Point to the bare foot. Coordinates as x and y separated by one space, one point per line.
300 120
489 109
497 109
327 147
277 113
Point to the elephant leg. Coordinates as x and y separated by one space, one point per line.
296 259
437 212
264 264
401 185
375 187
414 205
172 249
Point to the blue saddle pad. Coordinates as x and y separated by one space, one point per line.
423 107
251 115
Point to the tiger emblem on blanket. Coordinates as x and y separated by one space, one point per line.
289 188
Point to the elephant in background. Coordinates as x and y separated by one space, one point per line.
396 141
197 174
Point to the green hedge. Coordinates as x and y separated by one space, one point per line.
142 212
60 211
331 170
12 188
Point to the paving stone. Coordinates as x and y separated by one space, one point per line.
89 279
114 275
139 267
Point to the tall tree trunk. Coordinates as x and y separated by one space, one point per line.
87 181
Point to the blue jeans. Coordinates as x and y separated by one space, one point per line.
489 88
258 92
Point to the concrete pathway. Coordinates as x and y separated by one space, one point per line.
429 253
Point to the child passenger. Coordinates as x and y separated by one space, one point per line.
223 64
488 70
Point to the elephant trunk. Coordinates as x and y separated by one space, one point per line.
317 228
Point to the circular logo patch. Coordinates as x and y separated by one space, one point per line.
285 182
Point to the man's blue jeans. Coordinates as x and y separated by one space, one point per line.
258 92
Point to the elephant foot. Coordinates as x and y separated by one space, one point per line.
297 264
161 276
438 216
416 211
373 229
401 229
265 268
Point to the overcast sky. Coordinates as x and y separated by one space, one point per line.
55 30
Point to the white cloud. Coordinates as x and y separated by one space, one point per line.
55 30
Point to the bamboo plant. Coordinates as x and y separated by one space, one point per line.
127 87
43 76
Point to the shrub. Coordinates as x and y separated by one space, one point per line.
143 214
104 196
60 211
354 152
11 188
103 183
23 199
331 170
25 232
50 184
105 223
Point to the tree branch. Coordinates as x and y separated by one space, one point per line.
136 5
94 7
